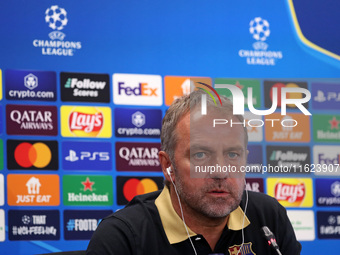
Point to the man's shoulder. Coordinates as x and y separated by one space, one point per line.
140 206
262 202
260 197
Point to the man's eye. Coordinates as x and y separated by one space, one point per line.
200 155
232 155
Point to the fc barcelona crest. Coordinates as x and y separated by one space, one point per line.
245 250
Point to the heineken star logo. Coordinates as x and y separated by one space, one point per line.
239 85
334 123
87 184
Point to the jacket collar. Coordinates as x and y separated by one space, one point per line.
173 224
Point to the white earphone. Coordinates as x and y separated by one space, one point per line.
168 170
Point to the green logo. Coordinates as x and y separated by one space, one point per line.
68 83
91 190
326 128
243 85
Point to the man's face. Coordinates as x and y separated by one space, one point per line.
199 145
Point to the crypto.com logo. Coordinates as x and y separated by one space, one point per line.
238 99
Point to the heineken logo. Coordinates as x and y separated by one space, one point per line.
87 190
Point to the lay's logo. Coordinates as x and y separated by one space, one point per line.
87 122
83 121
291 192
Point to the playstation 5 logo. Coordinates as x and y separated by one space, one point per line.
86 155
320 97
72 156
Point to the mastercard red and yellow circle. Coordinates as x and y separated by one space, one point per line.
28 155
134 187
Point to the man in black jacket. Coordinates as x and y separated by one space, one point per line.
203 208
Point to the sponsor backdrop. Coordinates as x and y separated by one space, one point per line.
84 86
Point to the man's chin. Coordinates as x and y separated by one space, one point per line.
218 211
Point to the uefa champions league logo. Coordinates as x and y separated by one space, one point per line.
259 28
56 18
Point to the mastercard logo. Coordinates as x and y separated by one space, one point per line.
134 187
279 86
27 155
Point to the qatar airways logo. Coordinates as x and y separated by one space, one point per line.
292 193
86 122
238 104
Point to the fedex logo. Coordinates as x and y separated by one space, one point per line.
141 90
328 158
323 159
137 89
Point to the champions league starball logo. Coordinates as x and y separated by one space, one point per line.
56 18
259 28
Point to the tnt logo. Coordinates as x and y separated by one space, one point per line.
138 119
143 89
31 81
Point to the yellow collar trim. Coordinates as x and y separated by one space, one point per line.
173 224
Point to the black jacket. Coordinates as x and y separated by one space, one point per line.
137 230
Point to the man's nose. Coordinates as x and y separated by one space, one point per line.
220 169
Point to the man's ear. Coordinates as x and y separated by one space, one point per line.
164 159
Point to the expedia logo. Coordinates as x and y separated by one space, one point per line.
86 121
83 87
291 193
32 155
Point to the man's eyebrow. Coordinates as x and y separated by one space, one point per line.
200 147
209 148
235 148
